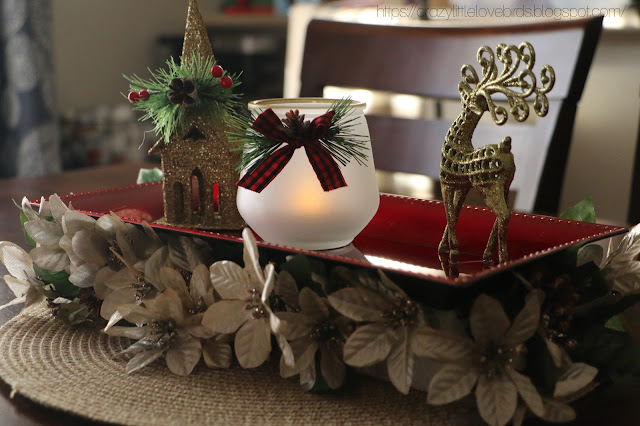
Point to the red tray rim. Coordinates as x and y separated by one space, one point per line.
606 231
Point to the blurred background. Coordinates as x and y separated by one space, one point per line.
61 66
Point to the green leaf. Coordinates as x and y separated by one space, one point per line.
60 281
583 211
615 323
24 219
149 175
612 352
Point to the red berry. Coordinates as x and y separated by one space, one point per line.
217 71
226 82
133 97
143 94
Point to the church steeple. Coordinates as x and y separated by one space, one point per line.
196 38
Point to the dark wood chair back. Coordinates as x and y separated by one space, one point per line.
633 215
425 60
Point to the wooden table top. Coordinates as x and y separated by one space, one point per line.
610 405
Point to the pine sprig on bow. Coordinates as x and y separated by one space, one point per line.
341 140
212 100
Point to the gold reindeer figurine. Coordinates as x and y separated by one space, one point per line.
488 169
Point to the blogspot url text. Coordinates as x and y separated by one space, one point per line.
557 13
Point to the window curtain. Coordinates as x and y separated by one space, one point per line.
29 130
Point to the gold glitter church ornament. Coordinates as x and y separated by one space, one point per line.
489 169
190 105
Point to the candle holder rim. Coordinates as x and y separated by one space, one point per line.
297 102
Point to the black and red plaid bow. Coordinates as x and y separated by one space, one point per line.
325 167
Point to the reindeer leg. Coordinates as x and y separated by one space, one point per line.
487 256
453 199
502 238
443 247
495 199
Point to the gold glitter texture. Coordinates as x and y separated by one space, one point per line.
489 169
197 161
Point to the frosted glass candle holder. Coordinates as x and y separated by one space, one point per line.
294 210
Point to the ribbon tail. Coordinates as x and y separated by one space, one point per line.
262 175
325 167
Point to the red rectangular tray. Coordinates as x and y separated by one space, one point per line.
402 238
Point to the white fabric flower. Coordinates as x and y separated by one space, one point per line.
161 331
311 330
390 319
622 268
490 362
245 308
22 279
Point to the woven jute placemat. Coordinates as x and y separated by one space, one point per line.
75 369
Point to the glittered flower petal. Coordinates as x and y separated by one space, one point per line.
55 208
73 221
251 255
108 224
304 351
359 304
253 343
226 316
269 282
298 324
84 275
27 209
526 322
51 259
143 359
184 253
183 354
17 286
229 280
90 247
44 232
527 391
308 377
136 314
167 305
368 345
450 383
312 305
400 362
16 260
216 354
287 289
200 287
172 279
130 332
123 296
152 267
557 412
577 376
488 320
332 367
496 398
440 345
66 244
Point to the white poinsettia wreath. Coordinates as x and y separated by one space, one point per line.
522 351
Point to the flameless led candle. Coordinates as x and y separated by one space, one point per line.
294 210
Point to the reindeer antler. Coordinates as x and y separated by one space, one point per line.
472 88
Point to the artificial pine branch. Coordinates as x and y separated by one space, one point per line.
340 140
212 100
